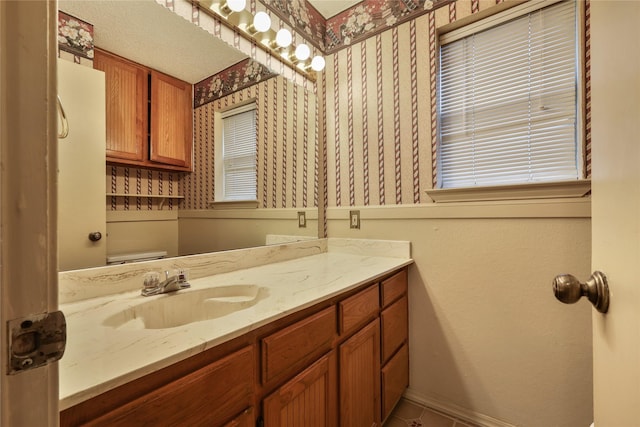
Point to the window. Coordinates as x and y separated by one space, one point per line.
236 155
508 99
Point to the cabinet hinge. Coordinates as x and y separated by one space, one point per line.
36 340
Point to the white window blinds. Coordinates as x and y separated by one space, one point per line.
239 155
507 102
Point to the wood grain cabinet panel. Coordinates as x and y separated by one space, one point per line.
171 120
360 378
295 346
395 327
307 400
126 107
393 287
358 309
210 396
395 379
246 419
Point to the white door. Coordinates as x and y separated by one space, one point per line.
81 170
615 113
28 277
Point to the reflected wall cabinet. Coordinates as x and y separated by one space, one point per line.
149 115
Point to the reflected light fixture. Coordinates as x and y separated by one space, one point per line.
317 63
283 38
262 22
302 52
256 27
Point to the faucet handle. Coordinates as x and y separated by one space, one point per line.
151 280
183 277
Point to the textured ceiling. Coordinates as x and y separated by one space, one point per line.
138 30
329 8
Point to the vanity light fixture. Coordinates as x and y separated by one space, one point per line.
262 22
257 29
230 6
283 38
317 63
302 52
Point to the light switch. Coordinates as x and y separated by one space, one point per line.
302 219
354 219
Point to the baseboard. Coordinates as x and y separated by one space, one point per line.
455 411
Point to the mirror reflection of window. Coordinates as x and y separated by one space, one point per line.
238 148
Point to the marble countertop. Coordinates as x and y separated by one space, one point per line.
100 357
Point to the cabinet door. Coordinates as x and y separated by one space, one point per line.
360 378
126 107
171 121
307 400
395 379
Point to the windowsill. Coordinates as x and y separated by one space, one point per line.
234 204
547 190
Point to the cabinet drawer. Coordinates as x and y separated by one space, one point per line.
209 396
246 419
295 346
394 287
395 325
359 308
395 378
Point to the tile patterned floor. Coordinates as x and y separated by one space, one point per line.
410 414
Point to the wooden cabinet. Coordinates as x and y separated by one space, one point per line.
342 362
149 115
171 121
394 322
294 347
360 378
209 396
308 400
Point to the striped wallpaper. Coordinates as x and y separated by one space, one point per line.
381 116
287 146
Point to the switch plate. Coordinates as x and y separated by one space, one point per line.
302 219
354 219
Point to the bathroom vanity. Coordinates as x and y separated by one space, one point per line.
323 337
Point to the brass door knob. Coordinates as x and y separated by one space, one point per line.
569 290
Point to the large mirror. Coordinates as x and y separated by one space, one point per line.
156 211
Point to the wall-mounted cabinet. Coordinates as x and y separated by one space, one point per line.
149 115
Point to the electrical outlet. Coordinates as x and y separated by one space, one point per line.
354 219
302 219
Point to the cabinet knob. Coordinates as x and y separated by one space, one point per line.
95 236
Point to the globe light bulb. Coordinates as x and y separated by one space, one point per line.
237 5
303 52
317 63
283 38
262 22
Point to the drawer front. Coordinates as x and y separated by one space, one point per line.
359 308
395 327
395 379
295 346
394 287
209 396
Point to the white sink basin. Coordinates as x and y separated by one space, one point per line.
187 306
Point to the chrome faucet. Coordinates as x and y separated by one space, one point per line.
153 285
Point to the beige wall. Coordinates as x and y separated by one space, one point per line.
217 230
142 231
488 340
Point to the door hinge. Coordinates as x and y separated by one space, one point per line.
36 340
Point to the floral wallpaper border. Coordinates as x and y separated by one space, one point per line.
237 77
75 35
357 23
